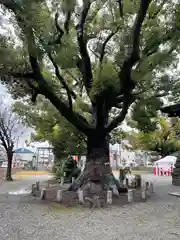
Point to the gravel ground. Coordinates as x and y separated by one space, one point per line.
154 220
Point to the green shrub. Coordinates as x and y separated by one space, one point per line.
70 169
67 166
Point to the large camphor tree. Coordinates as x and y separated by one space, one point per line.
101 56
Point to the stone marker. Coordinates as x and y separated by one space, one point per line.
62 181
81 196
33 190
37 186
59 195
151 187
138 180
130 195
147 189
147 185
21 194
143 193
73 179
176 173
127 182
43 194
109 197
121 177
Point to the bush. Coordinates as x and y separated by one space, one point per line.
69 167
58 168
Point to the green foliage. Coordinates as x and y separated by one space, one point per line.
70 169
105 80
144 114
122 174
117 135
165 140
51 126
36 33
58 169
67 168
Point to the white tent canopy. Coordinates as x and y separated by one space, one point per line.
166 161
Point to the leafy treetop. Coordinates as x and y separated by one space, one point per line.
91 57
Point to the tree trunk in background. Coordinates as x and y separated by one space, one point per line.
9 167
97 168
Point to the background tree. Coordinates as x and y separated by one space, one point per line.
144 115
98 57
50 126
10 130
164 139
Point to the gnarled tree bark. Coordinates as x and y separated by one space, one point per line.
97 168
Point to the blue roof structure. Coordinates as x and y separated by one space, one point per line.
23 150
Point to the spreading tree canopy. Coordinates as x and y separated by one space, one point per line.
164 140
91 59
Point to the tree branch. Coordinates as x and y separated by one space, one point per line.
158 9
59 30
4 132
28 77
58 75
67 21
118 119
149 50
137 30
71 75
10 4
125 73
65 85
3 141
85 62
21 75
105 43
120 4
76 119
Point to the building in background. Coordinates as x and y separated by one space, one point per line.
25 155
123 155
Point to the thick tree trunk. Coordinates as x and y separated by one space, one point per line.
97 168
9 167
